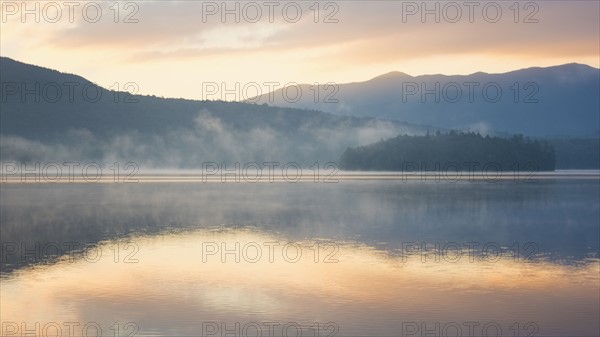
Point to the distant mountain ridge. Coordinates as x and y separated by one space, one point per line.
38 124
553 101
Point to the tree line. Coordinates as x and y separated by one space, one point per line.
454 150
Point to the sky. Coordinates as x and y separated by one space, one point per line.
182 48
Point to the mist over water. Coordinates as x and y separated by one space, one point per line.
391 252
559 215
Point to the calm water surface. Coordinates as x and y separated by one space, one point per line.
355 258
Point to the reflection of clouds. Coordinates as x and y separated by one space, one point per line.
171 288
384 212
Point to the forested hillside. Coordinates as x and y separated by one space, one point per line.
49 116
462 151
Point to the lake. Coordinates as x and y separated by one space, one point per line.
371 255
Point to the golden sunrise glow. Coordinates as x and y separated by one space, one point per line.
203 283
175 46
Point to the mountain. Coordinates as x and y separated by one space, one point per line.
49 116
553 101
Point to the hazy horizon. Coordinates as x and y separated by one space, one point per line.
308 83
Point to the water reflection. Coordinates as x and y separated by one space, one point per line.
180 282
393 257
560 216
